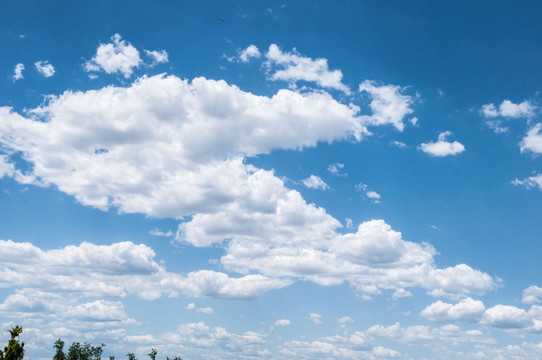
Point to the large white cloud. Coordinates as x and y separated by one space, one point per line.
167 147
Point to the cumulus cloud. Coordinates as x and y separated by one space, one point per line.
532 295
18 72
118 56
43 68
167 147
295 67
388 104
116 270
534 181
198 340
468 310
533 140
250 52
507 317
179 143
442 147
508 109
315 182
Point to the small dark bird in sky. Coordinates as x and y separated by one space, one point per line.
220 20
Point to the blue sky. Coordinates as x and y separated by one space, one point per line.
275 180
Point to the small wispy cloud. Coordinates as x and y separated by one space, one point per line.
45 68
315 182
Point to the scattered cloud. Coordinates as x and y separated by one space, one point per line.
157 232
336 169
496 126
533 140
345 320
118 56
282 323
43 68
349 223
399 144
315 182
534 181
18 72
442 147
251 51
388 104
205 310
315 318
158 57
372 195
295 67
508 109
532 295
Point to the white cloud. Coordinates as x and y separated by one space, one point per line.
44 68
508 109
401 293
157 232
299 68
442 147
116 270
373 195
468 310
345 319
18 72
336 169
496 126
315 182
198 340
349 223
381 352
116 57
250 52
205 310
282 323
532 295
399 144
507 317
315 318
166 147
170 138
530 182
158 57
533 140
388 105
